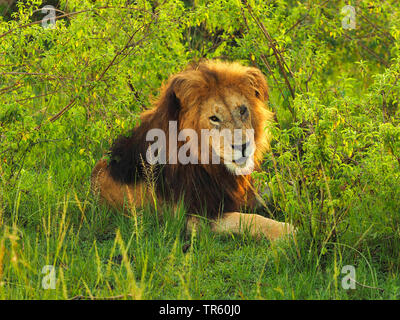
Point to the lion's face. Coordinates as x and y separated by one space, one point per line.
224 104
228 118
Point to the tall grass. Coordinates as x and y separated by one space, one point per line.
98 253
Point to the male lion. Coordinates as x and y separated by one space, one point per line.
215 95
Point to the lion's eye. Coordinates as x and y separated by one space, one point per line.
242 110
214 119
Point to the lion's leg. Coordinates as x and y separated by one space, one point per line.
255 224
113 193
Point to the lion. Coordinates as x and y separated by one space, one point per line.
212 95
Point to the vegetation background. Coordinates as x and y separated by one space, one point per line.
69 89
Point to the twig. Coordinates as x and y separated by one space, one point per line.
8 89
303 18
365 286
66 15
40 21
386 64
386 34
129 44
281 62
81 297
28 74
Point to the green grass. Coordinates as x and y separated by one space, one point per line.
50 218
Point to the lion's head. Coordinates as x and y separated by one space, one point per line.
224 103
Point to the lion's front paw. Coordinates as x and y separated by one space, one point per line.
275 230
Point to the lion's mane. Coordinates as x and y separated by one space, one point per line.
207 189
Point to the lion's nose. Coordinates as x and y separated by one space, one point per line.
241 148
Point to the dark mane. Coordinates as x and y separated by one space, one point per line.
128 153
205 192
206 189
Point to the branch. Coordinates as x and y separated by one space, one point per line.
68 15
371 52
281 62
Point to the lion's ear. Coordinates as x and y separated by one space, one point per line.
181 90
169 102
259 83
